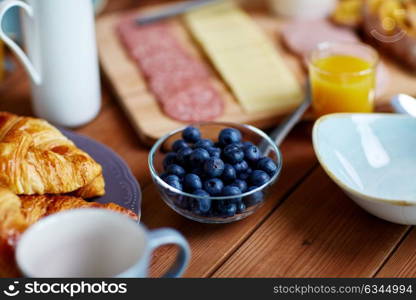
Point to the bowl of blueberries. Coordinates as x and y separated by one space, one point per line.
215 172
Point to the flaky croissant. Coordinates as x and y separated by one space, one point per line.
93 189
12 224
35 207
35 158
18 213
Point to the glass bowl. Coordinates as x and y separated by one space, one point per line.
184 203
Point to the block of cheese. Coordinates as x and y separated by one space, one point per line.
245 57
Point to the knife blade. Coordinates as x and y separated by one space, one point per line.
172 11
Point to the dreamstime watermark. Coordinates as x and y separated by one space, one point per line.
389 24
71 289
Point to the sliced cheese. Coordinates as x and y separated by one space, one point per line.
248 62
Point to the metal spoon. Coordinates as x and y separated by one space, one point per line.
280 133
172 11
404 104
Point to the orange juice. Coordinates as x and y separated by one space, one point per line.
342 83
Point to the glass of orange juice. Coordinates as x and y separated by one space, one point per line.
343 77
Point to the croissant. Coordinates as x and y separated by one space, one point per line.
35 158
18 213
35 207
12 224
95 188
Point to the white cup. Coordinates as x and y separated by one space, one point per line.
94 243
302 8
61 58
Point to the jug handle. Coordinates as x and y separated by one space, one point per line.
4 7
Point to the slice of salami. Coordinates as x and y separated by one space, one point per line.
143 41
183 67
179 80
196 103
142 50
168 84
164 62
152 31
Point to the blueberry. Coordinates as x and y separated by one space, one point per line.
214 167
229 174
233 154
178 145
241 207
202 205
218 145
169 159
241 167
204 143
164 176
245 175
201 193
239 145
198 157
191 134
254 198
234 191
183 156
251 153
241 184
174 182
171 178
229 210
229 135
192 182
181 202
213 186
231 190
267 165
214 152
197 171
177 170
247 144
259 178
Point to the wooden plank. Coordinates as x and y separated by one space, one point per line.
213 244
317 232
112 129
403 261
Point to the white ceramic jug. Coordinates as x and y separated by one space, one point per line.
61 58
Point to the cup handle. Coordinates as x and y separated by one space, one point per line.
160 237
4 7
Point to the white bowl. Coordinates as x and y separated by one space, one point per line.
372 157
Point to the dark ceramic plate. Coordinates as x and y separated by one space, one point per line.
121 187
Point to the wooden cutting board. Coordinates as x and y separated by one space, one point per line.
143 109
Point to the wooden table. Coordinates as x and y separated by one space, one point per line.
307 227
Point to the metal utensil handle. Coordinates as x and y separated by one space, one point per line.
172 10
280 133
404 104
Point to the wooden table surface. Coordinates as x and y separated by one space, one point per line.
307 227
